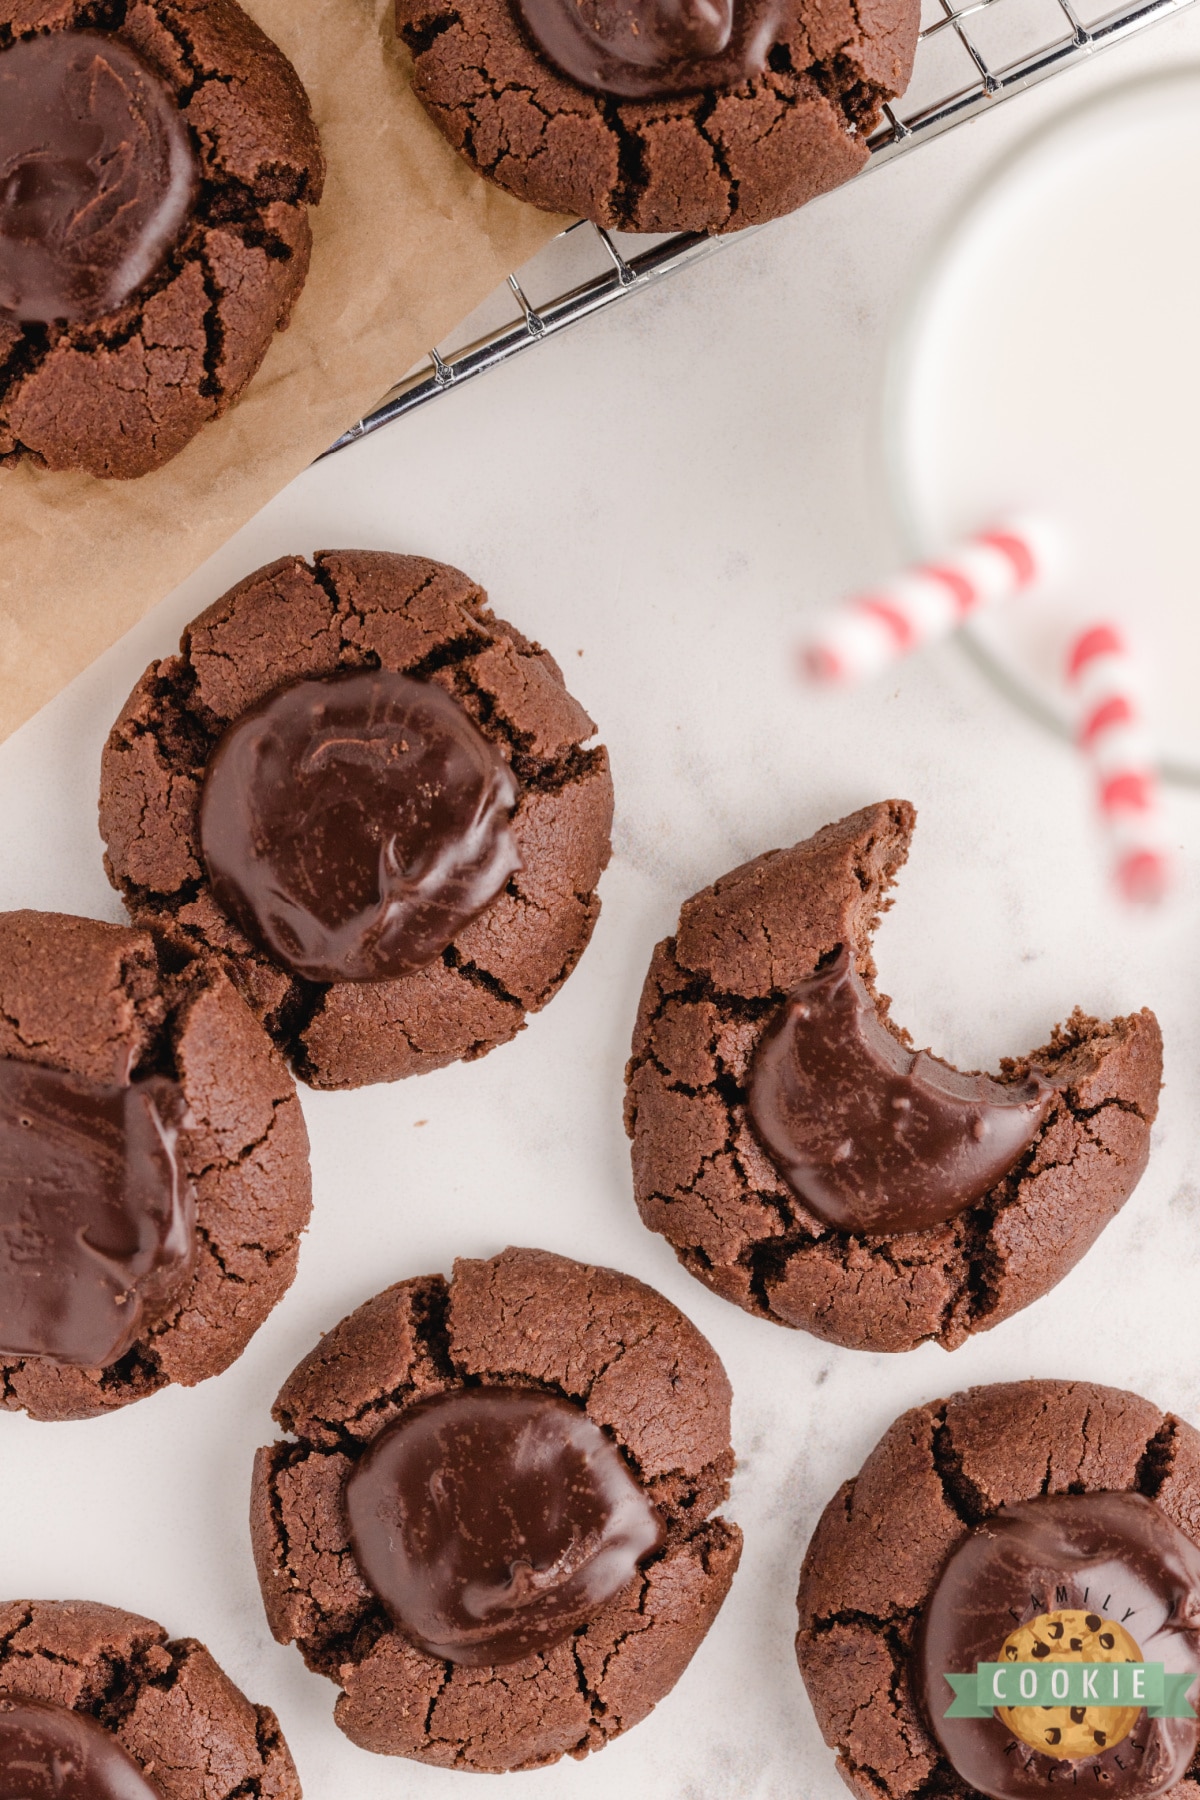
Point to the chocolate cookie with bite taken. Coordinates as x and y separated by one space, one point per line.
806 1163
98 1704
653 116
154 1176
492 1524
1006 1600
157 164
373 802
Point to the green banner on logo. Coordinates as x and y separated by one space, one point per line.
1070 1684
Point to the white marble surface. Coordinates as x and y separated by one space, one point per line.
657 496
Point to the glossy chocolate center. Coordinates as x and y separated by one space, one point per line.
874 1138
493 1522
96 1214
97 176
1103 1572
647 49
352 827
48 1752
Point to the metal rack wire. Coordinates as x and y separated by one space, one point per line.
970 57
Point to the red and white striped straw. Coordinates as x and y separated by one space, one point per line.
869 632
1111 732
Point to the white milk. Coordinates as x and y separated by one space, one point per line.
1051 363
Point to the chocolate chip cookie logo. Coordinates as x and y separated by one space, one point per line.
1070 1684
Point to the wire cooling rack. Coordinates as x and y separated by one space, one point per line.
970 57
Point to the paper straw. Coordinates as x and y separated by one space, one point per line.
869 632
1104 677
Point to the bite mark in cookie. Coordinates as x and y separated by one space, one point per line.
703 1178
535 1325
346 615
872 1136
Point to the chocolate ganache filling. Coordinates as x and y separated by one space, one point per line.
1092 1578
651 49
97 1218
875 1138
48 1752
97 176
494 1522
353 826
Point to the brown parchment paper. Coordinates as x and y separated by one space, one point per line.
406 242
